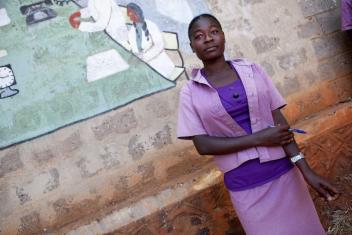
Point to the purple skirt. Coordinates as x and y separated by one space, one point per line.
280 207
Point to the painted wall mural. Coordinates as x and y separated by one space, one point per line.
75 59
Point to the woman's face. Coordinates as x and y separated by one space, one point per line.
132 15
207 39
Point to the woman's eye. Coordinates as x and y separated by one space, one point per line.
215 31
198 36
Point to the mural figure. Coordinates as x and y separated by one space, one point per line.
147 42
107 16
38 12
7 79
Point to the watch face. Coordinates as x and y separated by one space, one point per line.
7 78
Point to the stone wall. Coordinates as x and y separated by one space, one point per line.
126 165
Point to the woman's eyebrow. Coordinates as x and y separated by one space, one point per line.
215 25
195 31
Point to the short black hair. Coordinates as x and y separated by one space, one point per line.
195 19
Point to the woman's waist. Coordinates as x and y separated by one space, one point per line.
254 168
253 173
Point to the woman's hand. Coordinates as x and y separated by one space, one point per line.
277 135
322 186
74 19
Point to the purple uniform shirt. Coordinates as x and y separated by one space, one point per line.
251 173
346 14
202 113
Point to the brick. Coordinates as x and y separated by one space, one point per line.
313 7
159 108
61 207
268 68
290 85
135 148
147 171
110 158
88 168
54 180
162 137
30 224
330 45
37 186
72 143
10 162
342 64
292 60
329 21
325 71
43 156
309 29
264 43
234 50
121 122
22 196
335 67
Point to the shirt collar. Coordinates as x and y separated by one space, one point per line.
197 76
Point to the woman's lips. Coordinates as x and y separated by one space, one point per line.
210 49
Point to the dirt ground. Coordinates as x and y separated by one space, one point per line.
336 216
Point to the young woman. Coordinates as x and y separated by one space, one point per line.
231 109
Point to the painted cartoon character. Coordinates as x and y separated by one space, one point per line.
7 79
146 41
107 16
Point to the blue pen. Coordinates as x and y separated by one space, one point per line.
294 130
297 131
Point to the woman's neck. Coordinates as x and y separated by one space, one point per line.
214 66
219 73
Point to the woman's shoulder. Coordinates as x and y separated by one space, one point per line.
187 86
242 61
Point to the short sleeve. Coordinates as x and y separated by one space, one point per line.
346 15
276 99
189 123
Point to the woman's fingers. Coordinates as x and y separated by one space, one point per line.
333 192
324 193
287 138
328 191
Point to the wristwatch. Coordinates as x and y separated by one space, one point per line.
297 157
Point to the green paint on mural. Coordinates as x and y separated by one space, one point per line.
49 63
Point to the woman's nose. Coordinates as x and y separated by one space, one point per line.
208 37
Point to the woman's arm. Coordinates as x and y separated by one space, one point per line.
210 145
322 186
